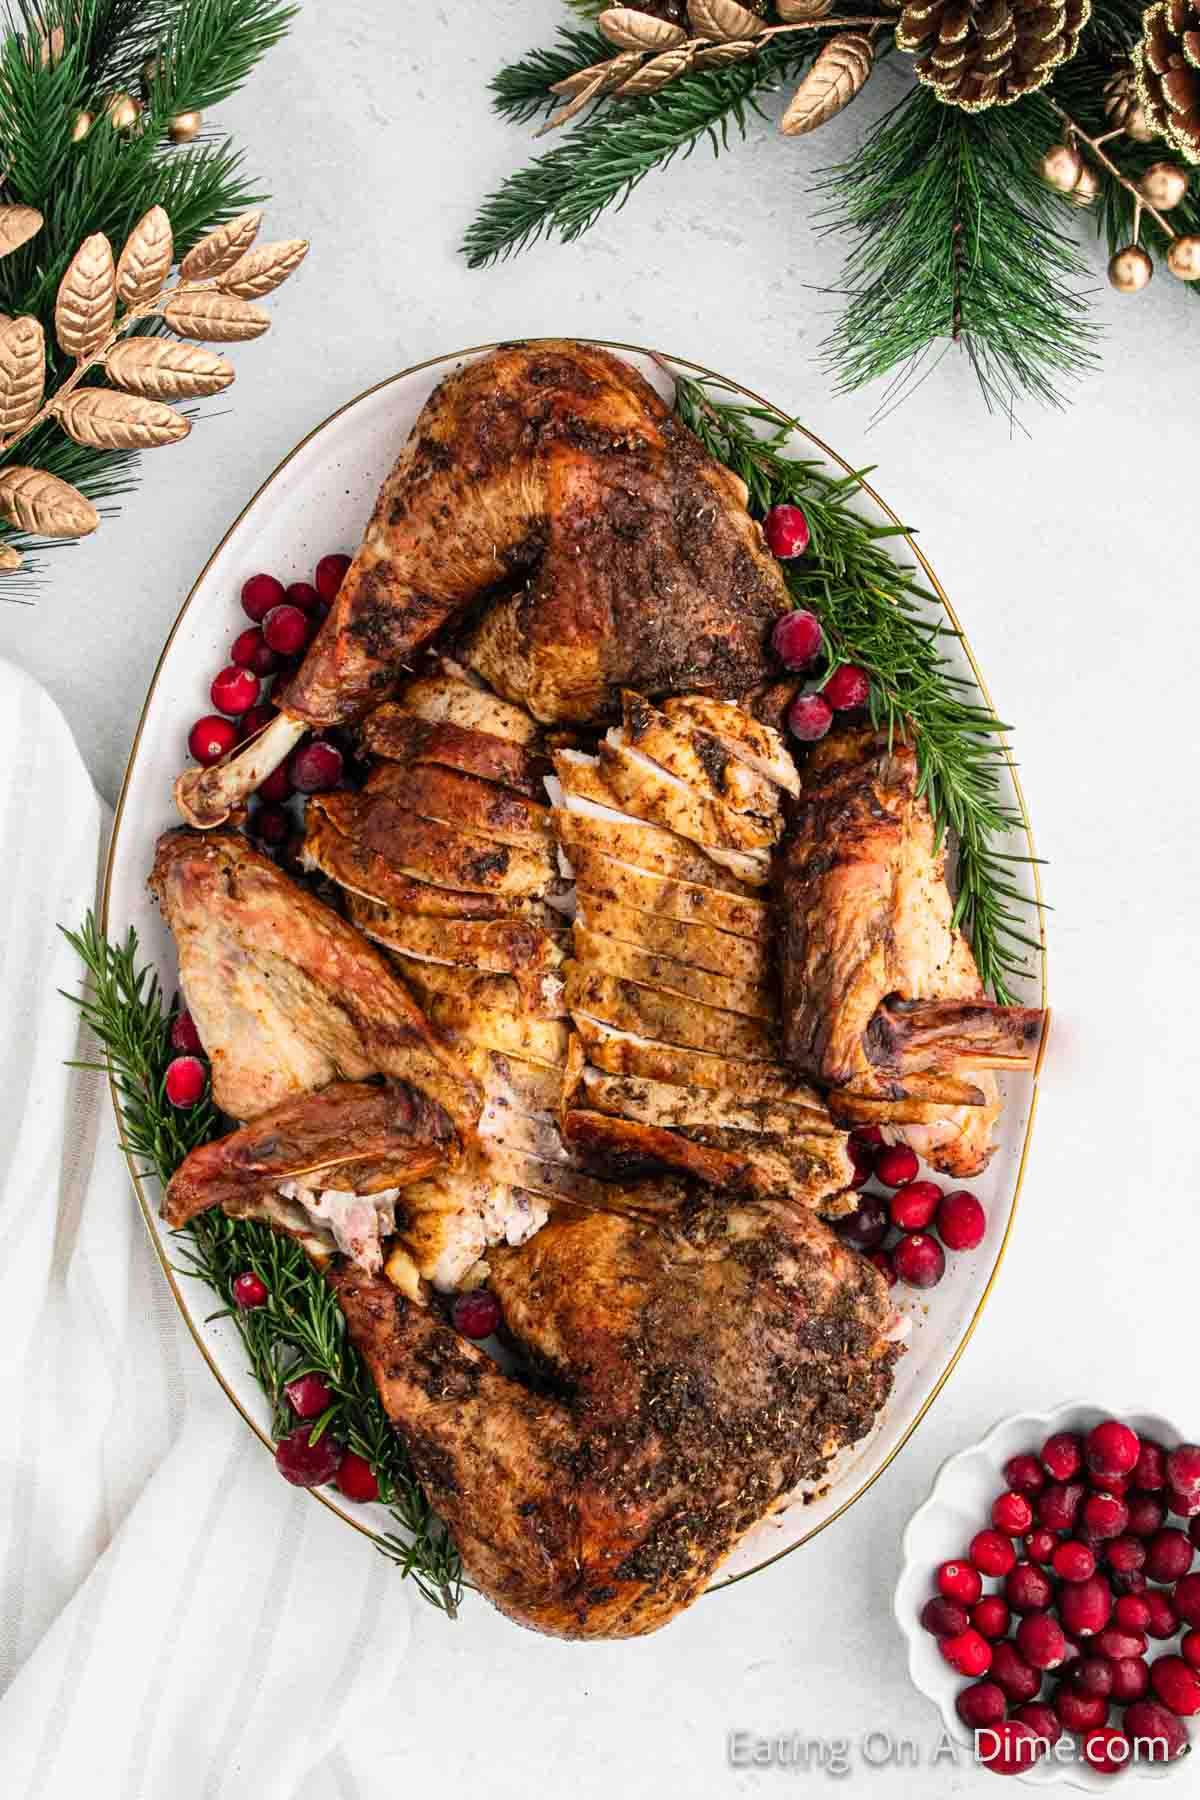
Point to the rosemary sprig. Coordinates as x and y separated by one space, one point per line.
875 612
300 1330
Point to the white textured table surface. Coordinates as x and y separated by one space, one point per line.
1067 554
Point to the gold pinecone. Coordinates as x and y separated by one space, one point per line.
1167 65
980 53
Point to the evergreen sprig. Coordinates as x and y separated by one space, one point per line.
875 612
300 1330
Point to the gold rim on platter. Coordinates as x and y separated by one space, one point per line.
818 444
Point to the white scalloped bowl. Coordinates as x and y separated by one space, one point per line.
942 1527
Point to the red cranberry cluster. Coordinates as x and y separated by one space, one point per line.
798 641
897 1231
1089 1572
285 619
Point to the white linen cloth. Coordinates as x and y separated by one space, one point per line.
174 1620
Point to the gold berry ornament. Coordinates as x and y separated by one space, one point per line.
124 112
1164 185
1086 188
1130 269
1061 167
1183 257
183 127
83 124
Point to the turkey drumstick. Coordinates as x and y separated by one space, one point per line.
554 467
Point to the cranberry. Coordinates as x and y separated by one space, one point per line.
866 1226
477 1314
1012 1513
1107 1749
249 1291
920 1261
913 1205
305 1464
944 1618
1175 1684
1057 1505
251 651
315 768
1012 1674
256 720
1185 1598
1027 1589
1104 1516
809 718
1074 1561
1150 1469
276 787
869 1136
1112 1448
1109 1484
969 1652
259 595
1157 1735
308 1396
883 1263
1080 1712
184 1035
329 575
1189 1643
1131 1613
270 825
797 639
1117 1644
1040 1546
185 1081
234 690
1168 1555
1125 1555
1062 1456
991 1617
959 1581
863 1158
1183 1468
356 1478
1146 1514
286 630
983 1704
1009 1746
991 1553
1041 1718
1130 1679
847 688
786 531
896 1165
1128 1581
1184 1506
961 1221
1041 1640
1162 1622
1091 1676
1024 1474
303 595
1085 1607
211 738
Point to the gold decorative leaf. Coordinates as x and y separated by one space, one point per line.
219 318
797 12
17 225
832 82
630 29
262 270
22 373
221 248
103 419
716 56
724 19
10 559
87 298
38 501
657 72
161 369
146 260
581 79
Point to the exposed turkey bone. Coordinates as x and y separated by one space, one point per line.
206 797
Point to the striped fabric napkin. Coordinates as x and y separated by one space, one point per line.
174 1620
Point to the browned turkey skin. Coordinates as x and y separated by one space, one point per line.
602 1509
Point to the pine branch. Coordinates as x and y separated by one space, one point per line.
874 612
564 192
957 238
300 1329
521 91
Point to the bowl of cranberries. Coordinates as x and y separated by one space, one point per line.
1050 1597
